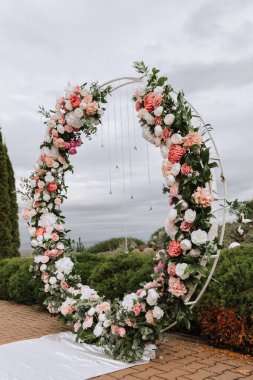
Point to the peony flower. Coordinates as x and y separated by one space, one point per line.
166 168
176 152
88 322
199 237
185 244
172 214
174 189
64 265
75 101
47 219
180 269
170 228
87 292
149 102
169 119
149 317
186 169
158 312
192 139
52 187
174 248
202 197
91 108
176 287
190 215
152 297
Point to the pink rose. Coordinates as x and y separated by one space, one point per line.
87 98
59 143
149 102
192 139
137 308
57 201
68 128
64 284
186 169
174 190
166 168
78 142
129 323
59 228
66 309
52 187
160 265
176 287
121 332
185 226
87 322
72 151
62 160
75 101
172 270
103 307
157 100
54 236
150 317
54 132
167 132
138 105
77 326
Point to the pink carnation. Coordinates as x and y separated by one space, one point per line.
176 287
172 270
174 248
176 152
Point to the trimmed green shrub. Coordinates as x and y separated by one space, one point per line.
121 274
114 243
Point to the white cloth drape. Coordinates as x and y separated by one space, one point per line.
57 357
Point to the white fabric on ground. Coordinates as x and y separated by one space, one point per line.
57 357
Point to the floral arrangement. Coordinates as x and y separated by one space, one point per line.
124 326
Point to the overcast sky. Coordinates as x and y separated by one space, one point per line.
204 47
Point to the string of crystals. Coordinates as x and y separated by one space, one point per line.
149 178
129 144
109 147
123 171
134 121
115 132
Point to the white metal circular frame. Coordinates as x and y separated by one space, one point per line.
217 187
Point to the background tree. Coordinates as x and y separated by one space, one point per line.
5 222
13 206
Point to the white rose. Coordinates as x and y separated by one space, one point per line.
43 267
152 297
34 243
60 246
194 252
68 105
60 129
50 206
158 90
149 118
33 183
91 311
107 323
169 119
87 292
60 276
49 177
158 111
143 293
101 317
158 312
199 237
83 105
147 135
176 169
168 143
158 130
56 164
170 180
185 245
176 138
98 330
190 215
78 112
180 269
46 197
64 265
139 91
128 301
183 204
37 259
164 151
40 238
53 280
172 214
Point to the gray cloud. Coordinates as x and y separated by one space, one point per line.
205 47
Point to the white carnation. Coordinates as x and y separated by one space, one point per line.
199 237
64 265
180 269
169 119
190 215
158 312
152 297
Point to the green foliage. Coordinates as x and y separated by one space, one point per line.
232 235
17 283
13 207
6 249
113 244
232 284
121 274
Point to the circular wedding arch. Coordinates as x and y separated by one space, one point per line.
120 82
195 182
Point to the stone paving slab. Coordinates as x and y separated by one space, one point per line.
182 359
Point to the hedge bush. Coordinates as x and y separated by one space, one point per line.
114 243
225 315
